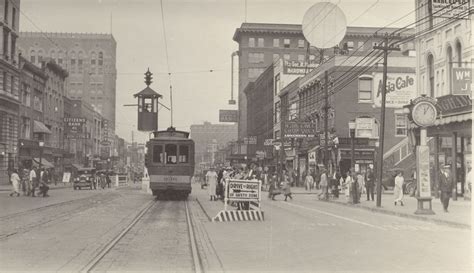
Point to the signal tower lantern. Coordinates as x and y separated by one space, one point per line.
147 106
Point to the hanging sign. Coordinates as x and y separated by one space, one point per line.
462 81
299 129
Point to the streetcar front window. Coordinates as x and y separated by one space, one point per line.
171 153
158 154
183 154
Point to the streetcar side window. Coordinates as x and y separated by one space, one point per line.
183 154
171 153
158 154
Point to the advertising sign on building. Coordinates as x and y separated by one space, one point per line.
105 133
449 8
295 67
228 115
312 157
73 127
462 81
299 129
251 140
423 170
365 127
401 87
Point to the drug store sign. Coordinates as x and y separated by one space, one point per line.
401 88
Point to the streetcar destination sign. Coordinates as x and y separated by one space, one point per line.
243 190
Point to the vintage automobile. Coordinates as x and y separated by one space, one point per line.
84 178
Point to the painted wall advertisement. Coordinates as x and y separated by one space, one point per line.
423 170
401 87
449 8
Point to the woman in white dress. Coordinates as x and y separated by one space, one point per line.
347 186
211 177
398 189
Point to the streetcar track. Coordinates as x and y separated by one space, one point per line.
109 246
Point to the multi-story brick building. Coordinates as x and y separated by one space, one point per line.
31 122
208 138
444 58
9 87
90 60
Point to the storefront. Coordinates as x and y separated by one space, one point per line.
452 138
364 154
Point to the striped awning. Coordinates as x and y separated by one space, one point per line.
39 127
454 118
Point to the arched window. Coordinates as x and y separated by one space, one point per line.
40 56
431 77
60 57
33 56
80 62
73 62
459 53
449 62
93 62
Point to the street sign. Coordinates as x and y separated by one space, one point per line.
299 129
462 81
243 190
228 115
268 142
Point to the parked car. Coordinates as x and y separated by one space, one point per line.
409 184
84 178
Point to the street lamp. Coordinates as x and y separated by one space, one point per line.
41 145
352 128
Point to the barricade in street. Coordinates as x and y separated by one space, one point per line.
121 180
247 195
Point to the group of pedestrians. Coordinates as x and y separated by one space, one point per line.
29 180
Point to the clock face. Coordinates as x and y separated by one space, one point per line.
424 114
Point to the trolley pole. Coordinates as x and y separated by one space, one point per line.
386 48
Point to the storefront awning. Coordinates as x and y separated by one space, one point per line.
454 118
39 127
44 163
314 149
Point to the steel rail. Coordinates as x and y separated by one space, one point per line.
194 250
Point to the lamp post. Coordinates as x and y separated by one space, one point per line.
352 127
41 145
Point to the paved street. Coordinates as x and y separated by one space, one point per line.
303 234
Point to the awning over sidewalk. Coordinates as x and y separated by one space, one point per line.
39 127
44 163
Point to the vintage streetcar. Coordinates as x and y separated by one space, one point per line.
170 163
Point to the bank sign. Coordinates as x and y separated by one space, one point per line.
401 88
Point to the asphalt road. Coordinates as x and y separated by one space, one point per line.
66 231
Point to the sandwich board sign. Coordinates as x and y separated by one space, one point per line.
243 190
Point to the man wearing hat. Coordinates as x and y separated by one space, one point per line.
446 186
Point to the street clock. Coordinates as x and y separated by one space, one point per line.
424 112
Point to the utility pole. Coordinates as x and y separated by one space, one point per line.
386 49
326 110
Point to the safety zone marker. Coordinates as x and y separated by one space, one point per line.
238 215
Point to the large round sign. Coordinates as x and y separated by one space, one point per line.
324 25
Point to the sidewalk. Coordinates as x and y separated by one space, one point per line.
459 214
51 186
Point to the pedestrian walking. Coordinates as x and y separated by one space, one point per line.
369 184
337 181
398 189
24 181
286 186
360 184
15 180
107 179
347 186
446 186
309 181
211 177
323 183
32 182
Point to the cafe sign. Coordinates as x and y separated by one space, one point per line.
401 87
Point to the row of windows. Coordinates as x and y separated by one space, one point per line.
260 42
170 154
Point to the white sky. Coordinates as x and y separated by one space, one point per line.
199 36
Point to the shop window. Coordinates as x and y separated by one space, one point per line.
401 125
183 154
255 58
286 43
158 154
365 89
171 151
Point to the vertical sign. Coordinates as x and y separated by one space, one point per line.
462 81
423 170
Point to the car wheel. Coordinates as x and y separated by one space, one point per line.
411 189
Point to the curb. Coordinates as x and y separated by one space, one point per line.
50 188
405 215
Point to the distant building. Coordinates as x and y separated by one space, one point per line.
90 60
9 88
208 138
